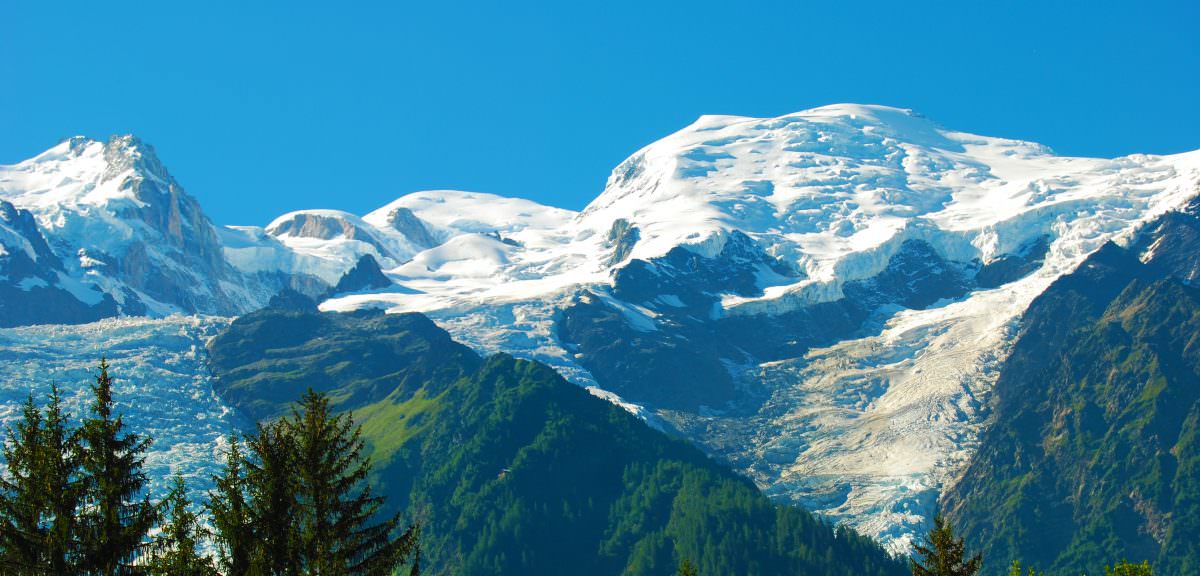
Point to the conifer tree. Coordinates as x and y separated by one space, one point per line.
175 551
40 492
231 514
113 521
943 554
336 504
271 487
60 473
22 500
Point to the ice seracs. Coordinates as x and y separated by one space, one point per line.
161 385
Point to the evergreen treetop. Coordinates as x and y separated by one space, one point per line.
336 504
230 513
942 554
115 513
23 500
60 473
176 551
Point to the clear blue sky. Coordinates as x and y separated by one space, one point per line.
261 108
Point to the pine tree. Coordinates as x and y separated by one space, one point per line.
60 472
113 522
40 492
336 503
175 551
271 487
231 514
943 554
23 499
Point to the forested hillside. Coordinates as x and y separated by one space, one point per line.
513 470
1094 451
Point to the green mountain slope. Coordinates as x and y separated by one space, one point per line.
265 359
514 470
1093 455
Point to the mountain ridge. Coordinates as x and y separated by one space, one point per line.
849 276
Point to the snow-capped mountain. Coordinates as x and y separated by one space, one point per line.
820 298
112 232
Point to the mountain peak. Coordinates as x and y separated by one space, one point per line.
127 141
118 146
127 152
82 171
879 112
75 145
117 216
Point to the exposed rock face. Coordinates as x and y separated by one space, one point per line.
326 225
403 220
48 304
623 237
318 225
365 275
1011 267
181 251
22 227
698 280
1171 246
164 206
915 277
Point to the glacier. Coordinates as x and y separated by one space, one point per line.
864 427
161 384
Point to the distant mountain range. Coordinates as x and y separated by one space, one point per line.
824 300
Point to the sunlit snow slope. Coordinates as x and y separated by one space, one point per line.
833 192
